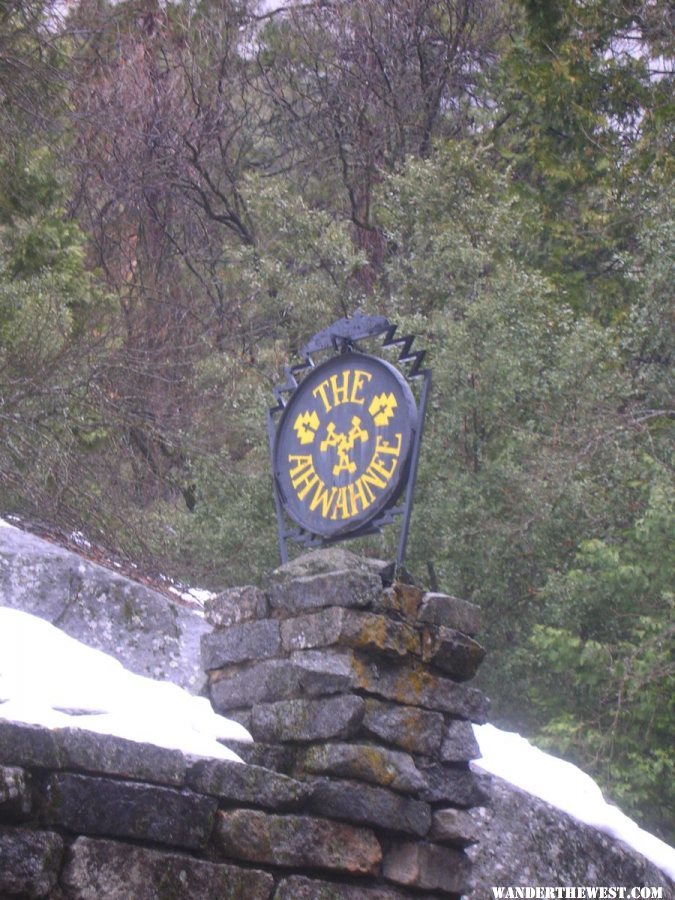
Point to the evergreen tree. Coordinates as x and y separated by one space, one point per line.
584 96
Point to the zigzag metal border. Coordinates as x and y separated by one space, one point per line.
343 335
413 360
346 333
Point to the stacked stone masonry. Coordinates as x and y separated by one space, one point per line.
357 785
359 692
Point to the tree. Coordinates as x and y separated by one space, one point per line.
47 300
158 153
603 684
50 338
32 60
543 493
580 112
354 88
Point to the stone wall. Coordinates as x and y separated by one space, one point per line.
93 816
358 692
354 696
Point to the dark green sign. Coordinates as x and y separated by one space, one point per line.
345 435
343 444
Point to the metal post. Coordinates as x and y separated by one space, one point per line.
412 478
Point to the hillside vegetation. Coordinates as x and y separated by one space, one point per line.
190 190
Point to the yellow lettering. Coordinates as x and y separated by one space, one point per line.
377 466
382 446
369 478
357 384
345 501
303 475
323 497
342 505
342 387
322 391
360 492
302 461
340 392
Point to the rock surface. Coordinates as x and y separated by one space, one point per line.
15 799
367 805
307 720
151 823
236 605
29 862
525 840
409 727
104 869
299 888
240 643
103 806
365 762
427 866
298 841
140 627
328 560
247 784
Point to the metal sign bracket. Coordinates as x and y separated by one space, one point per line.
343 339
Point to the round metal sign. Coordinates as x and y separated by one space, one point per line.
343 444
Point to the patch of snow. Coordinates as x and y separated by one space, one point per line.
200 595
192 595
48 678
4 524
80 540
563 785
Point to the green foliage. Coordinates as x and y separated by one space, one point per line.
230 538
604 678
44 288
35 322
237 188
648 340
50 321
230 535
303 260
578 104
35 234
448 242
539 495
